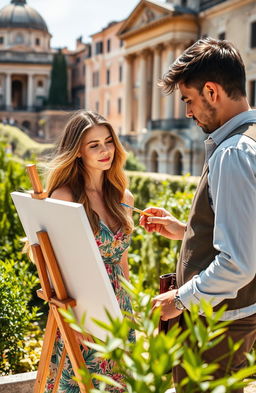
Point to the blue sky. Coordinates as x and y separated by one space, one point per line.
69 19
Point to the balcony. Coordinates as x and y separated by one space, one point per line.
169 124
8 56
205 4
131 140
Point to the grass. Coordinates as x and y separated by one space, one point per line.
23 145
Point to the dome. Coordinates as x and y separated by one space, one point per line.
19 14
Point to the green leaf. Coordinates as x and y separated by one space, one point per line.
107 380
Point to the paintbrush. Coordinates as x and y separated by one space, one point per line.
137 210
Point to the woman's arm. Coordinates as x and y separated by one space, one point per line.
128 198
124 265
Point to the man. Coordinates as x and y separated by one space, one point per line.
218 254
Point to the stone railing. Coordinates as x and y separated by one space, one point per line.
169 124
19 383
8 56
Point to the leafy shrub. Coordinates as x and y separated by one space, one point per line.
146 364
16 285
18 277
133 164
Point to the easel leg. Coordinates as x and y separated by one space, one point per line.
73 349
60 368
49 339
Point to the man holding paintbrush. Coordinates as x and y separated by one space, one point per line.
218 254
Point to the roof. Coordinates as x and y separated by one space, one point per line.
19 14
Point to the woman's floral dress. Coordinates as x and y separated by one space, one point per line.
111 246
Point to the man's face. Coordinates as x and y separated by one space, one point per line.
199 109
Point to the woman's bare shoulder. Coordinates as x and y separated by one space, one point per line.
63 193
128 197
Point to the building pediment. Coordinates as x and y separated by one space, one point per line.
147 13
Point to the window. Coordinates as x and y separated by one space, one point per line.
119 105
121 43
108 107
253 35
97 106
99 47
84 69
19 38
253 93
1 40
108 45
222 36
120 73
40 84
37 41
78 60
95 79
108 77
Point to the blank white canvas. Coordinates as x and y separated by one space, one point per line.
77 253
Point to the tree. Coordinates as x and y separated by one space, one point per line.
58 95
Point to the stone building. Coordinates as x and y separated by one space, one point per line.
153 36
105 76
25 72
117 73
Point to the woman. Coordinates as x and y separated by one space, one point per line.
88 169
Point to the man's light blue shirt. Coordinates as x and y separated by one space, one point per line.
232 190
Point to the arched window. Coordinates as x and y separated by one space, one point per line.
37 42
178 163
40 83
17 93
154 162
26 124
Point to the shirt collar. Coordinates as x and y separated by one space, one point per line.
216 137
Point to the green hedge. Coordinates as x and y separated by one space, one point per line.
152 254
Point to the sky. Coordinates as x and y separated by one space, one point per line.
69 19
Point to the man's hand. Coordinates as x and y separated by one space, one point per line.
166 302
163 222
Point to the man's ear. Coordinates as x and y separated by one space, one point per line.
210 92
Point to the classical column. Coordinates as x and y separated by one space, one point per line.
156 92
169 99
142 104
179 106
30 101
128 83
8 91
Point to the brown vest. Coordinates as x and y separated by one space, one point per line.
197 251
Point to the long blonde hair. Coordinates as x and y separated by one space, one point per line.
66 169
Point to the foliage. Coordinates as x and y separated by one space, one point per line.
16 285
21 144
146 364
18 278
133 164
58 95
150 253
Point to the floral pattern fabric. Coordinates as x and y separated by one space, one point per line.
111 246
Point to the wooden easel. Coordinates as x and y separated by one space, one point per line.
47 266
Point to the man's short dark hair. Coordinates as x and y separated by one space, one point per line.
208 60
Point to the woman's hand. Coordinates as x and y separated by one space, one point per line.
163 222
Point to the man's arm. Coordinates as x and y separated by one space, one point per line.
232 185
